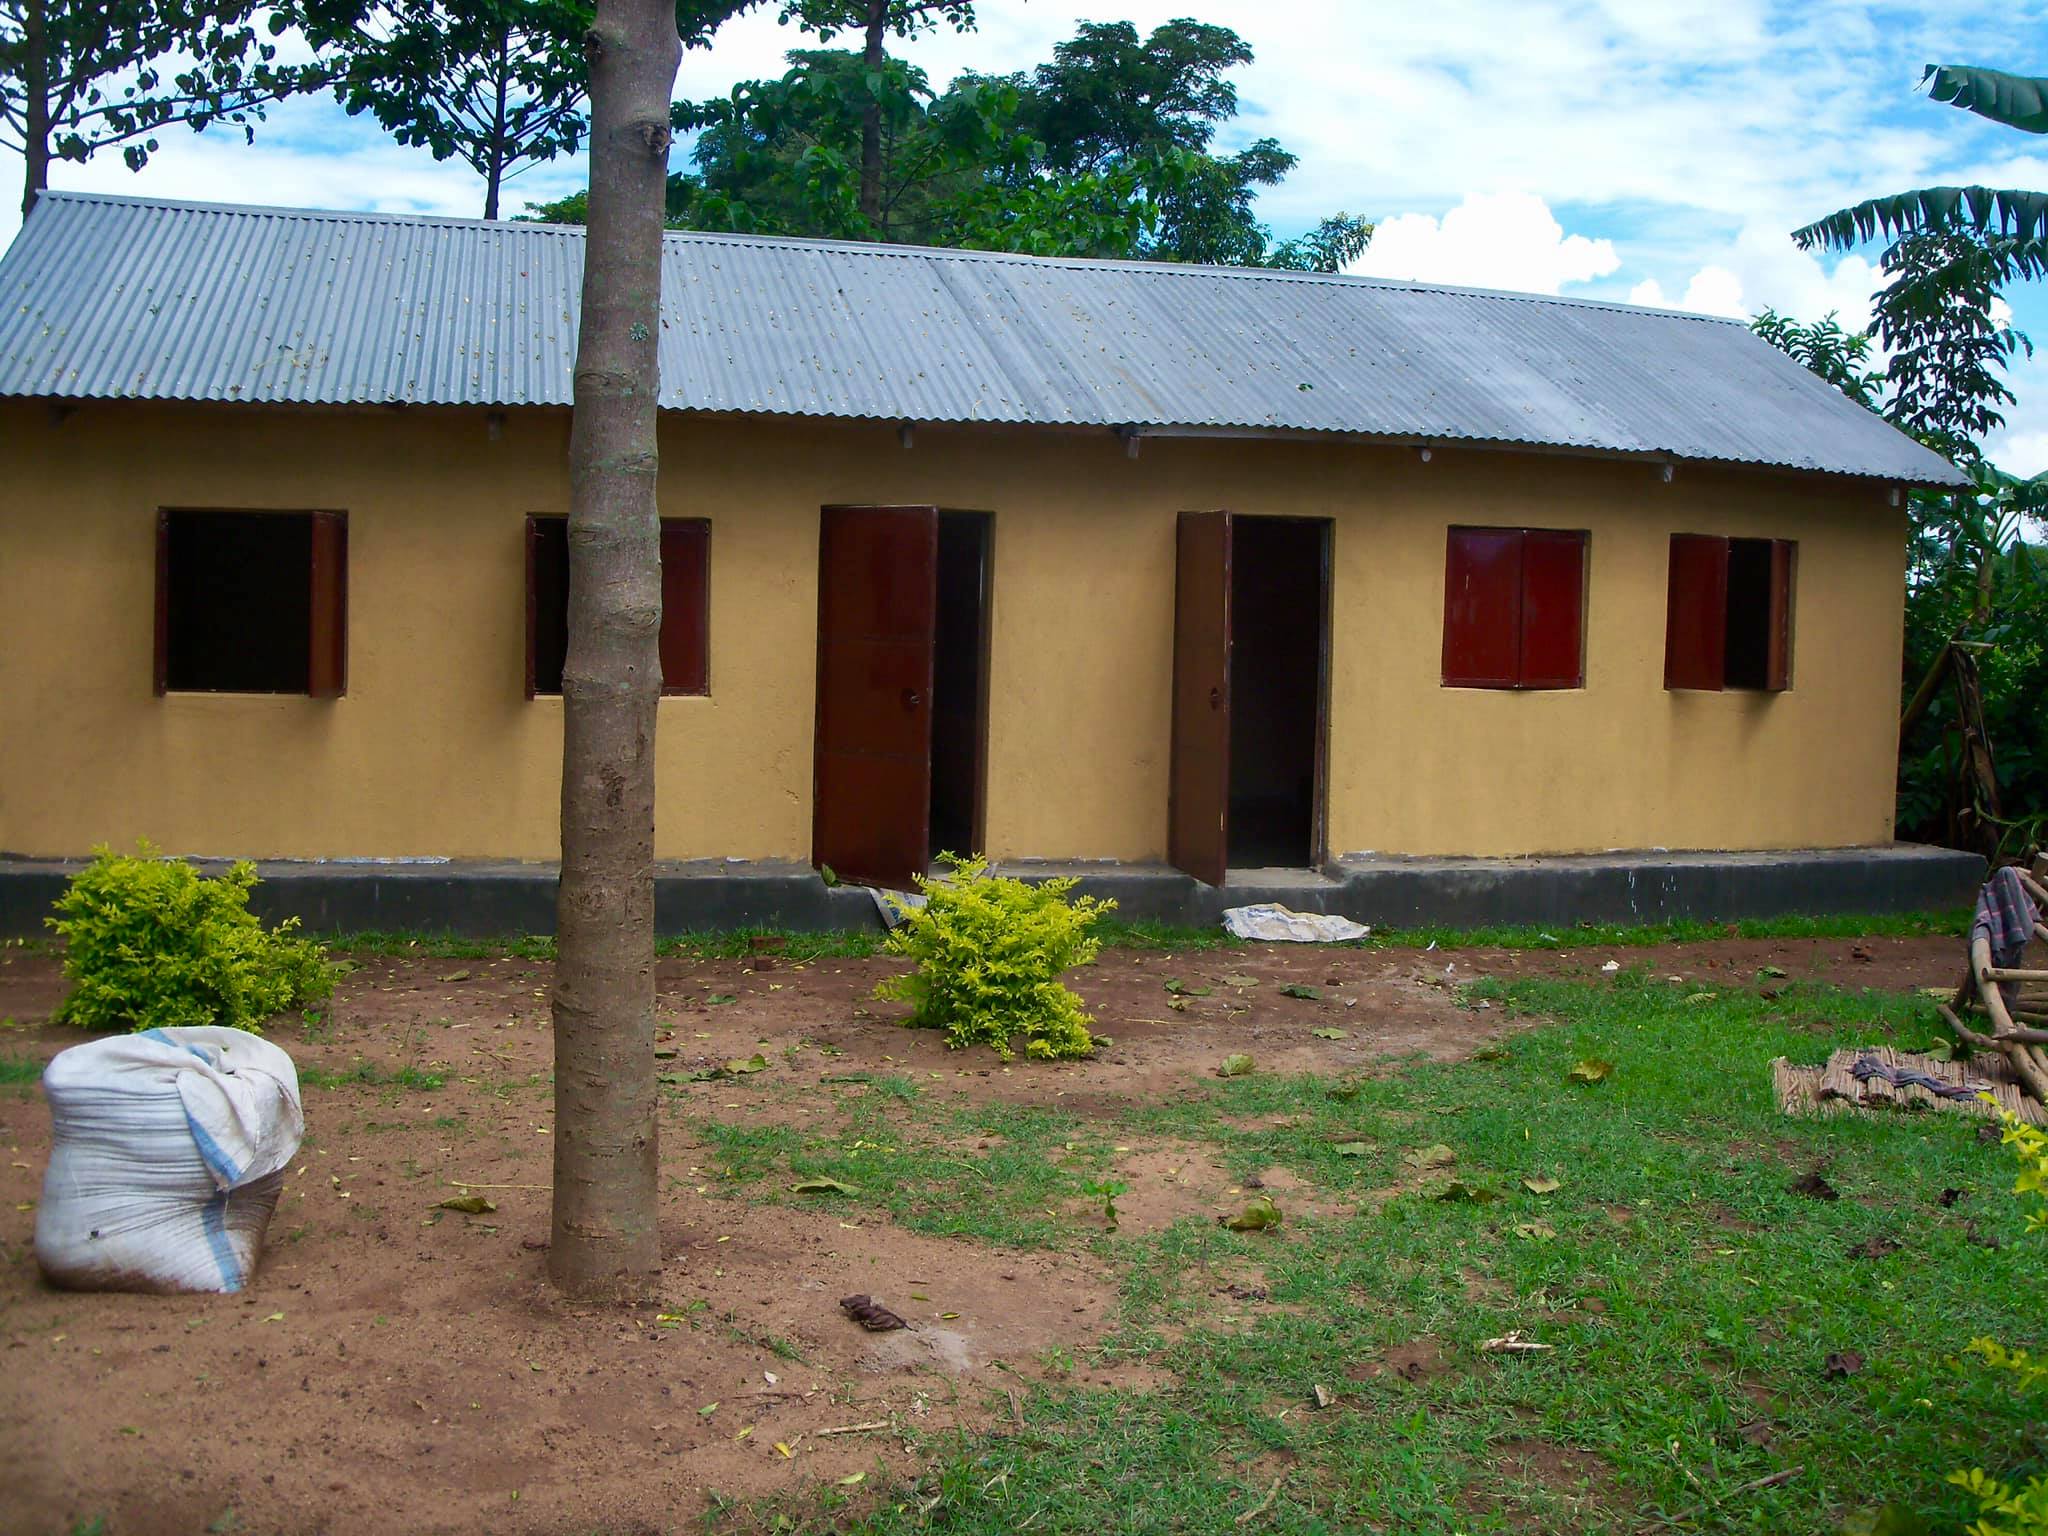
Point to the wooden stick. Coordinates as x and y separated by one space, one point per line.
1264 1504
1757 1484
2007 973
853 1429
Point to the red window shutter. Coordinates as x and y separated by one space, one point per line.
1553 608
685 605
327 665
532 601
1696 616
163 603
1778 674
1482 607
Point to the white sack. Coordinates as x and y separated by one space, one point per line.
167 1151
1270 920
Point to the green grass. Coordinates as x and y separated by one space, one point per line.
368 1074
1689 1295
20 1071
793 945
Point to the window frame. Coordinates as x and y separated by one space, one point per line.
1698 608
326 606
1462 662
696 529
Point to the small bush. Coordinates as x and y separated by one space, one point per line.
2002 1508
150 944
989 953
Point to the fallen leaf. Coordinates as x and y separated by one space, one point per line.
820 1185
852 1479
1542 1186
1591 1070
1240 981
720 999
870 1314
786 1451
1875 1247
1255 1217
1535 1231
1775 972
275 1317
1611 967
1841 1363
1237 1064
1180 988
1331 1034
1323 1395
1295 989
1463 1190
1700 997
1491 1053
707 1410
742 1064
456 976
1513 1344
1353 1148
1438 1156
1949 1197
469 1205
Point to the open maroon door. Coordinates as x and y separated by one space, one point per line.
877 616
1198 811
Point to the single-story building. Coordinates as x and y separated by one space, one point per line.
1271 579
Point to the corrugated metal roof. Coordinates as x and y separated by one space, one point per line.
132 298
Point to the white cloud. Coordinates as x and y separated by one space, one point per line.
1762 269
1490 240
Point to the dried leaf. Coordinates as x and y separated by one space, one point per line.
1180 988
1255 1217
1542 1186
469 1205
1491 1053
1841 1363
1700 997
1463 1190
853 1479
870 1314
1591 1070
707 1410
1353 1148
1775 972
1438 1156
1323 1395
1331 1034
1514 1344
1240 981
1295 989
1814 1186
720 999
1238 1064
1535 1231
456 976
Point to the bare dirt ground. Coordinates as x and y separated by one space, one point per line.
398 1367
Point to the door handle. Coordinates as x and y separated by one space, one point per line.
1215 698
911 698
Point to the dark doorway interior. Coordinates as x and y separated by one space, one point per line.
1277 616
959 673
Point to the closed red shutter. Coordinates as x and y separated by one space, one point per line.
1696 613
327 656
1482 607
1553 608
685 605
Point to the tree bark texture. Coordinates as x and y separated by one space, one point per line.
35 106
873 57
495 173
604 1241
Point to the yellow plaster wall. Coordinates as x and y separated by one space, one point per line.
436 750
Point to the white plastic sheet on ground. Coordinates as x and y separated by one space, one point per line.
167 1150
1270 920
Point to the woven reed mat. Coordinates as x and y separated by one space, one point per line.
1831 1089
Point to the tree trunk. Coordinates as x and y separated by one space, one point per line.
871 118
495 174
35 105
604 1239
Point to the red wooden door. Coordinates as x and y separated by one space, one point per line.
1198 809
877 612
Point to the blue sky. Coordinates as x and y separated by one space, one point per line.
1648 150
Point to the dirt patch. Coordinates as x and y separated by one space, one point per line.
1538 1483
1887 965
1419 1359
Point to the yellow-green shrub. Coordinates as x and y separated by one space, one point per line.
149 943
2002 1508
989 953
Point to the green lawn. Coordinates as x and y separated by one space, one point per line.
1690 1298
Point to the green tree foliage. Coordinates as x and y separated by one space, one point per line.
1840 356
990 951
79 76
498 84
148 944
2014 222
1103 152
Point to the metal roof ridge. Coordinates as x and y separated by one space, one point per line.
882 250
